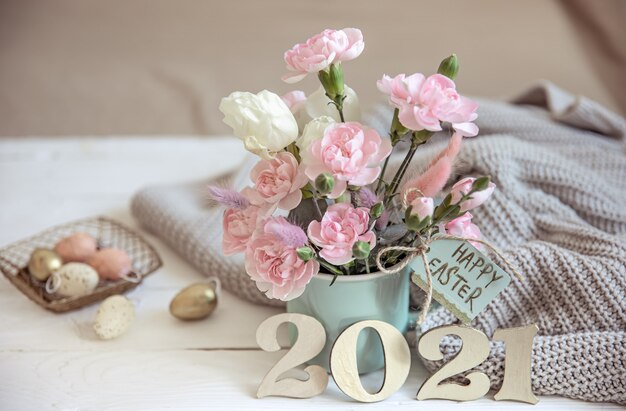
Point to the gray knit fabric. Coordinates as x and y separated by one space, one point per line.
559 214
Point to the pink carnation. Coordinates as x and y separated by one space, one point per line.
348 151
341 227
295 100
322 50
462 226
273 263
463 187
238 226
424 103
277 182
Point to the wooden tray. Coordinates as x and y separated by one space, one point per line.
109 233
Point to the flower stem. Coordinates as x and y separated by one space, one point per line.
330 267
382 175
340 110
418 138
315 199
399 174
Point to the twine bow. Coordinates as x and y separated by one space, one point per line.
420 251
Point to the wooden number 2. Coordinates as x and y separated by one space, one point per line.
343 361
474 351
516 385
310 342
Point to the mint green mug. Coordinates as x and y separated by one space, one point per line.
376 296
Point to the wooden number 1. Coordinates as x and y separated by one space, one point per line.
343 361
516 385
310 342
474 351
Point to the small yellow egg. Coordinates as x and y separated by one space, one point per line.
194 302
43 262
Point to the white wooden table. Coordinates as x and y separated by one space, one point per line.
55 362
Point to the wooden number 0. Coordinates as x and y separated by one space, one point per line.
343 361
474 351
310 342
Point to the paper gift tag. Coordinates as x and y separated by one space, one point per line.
464 280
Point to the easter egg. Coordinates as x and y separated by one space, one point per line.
43 263
74 280
194 302
78 247
114 317
111 263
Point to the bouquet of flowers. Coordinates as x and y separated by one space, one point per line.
322 199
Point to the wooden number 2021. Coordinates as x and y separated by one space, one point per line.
343 363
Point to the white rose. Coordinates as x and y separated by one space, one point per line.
317 105
262 121
314 130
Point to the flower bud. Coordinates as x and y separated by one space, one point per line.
481 183
333 83
324 183
377 210
397 129
422 207
361 250
305 253
481 189
449 67
419 214
336 78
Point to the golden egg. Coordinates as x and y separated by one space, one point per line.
194 302
43 262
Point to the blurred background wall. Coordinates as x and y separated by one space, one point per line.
74 67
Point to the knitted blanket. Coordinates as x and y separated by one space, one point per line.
559 214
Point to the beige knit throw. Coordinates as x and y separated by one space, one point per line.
559 214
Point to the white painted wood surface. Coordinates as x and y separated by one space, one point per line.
55 362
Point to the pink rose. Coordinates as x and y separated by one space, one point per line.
341 227
273 263
238 226
422 207
322 50
463 187
424 103
277 182
462 226
350 152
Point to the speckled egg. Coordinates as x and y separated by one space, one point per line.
74 280
43 263
78 247
114 317
111 263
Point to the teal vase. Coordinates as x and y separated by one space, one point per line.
376 296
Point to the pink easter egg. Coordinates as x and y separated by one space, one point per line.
78 247
111 263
